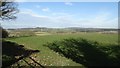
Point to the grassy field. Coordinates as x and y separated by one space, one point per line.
48 57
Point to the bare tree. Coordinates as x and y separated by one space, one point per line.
8 9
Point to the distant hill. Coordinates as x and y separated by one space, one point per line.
74 29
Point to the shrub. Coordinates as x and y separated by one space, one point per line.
4 32
88 53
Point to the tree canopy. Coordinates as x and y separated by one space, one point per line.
8 9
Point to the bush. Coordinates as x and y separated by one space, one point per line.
4 32
88 53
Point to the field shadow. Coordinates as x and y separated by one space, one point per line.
87 53
13 52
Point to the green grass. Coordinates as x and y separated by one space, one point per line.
48 57
102 38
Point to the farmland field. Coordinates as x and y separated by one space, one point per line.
47 57
102 38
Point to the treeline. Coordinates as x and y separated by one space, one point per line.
63 30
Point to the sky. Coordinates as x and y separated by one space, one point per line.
65 14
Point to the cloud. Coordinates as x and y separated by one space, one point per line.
28 18
30 12
67 0
45 9
103 20
37 6
69 3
